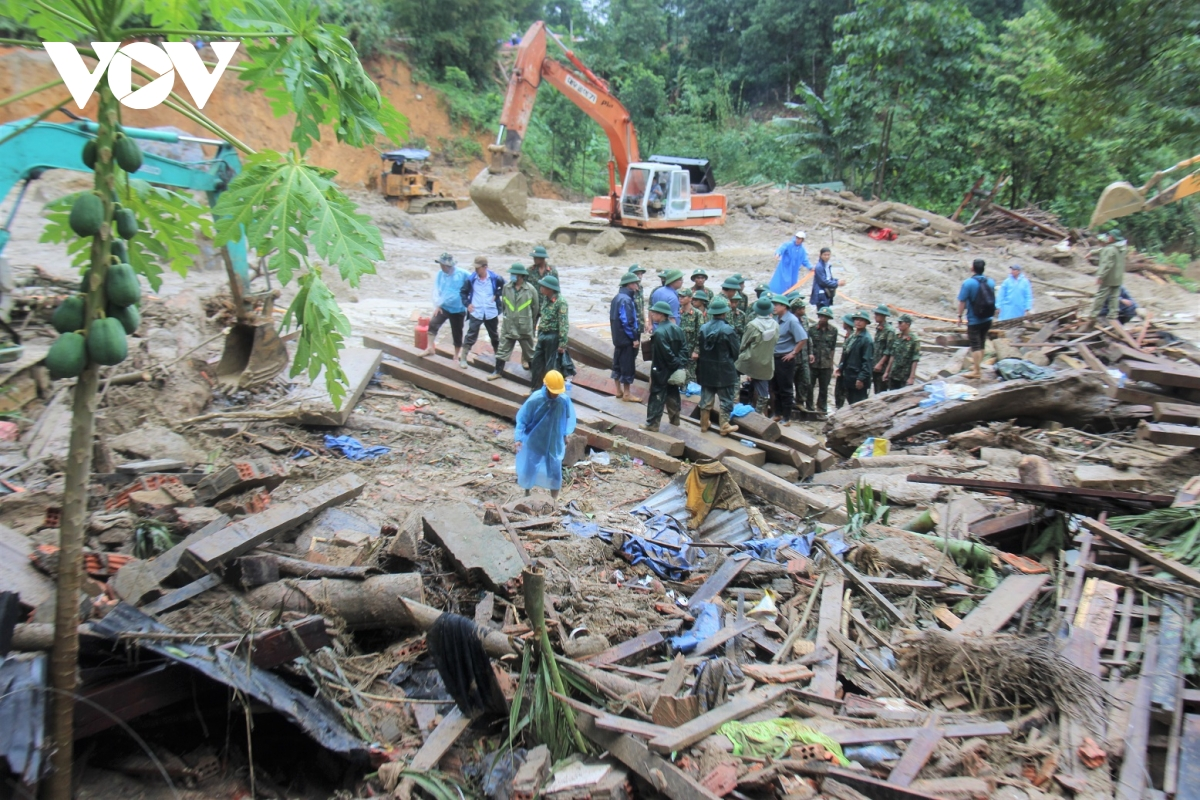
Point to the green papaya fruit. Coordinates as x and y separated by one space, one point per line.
127 154
121 285
69 316
87 215
67 357
106 342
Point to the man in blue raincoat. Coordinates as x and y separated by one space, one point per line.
544 422
791 260
1014 297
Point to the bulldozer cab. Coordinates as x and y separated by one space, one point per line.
655 191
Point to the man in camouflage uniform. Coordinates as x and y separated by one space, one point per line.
822 341
885 335
553 326
670 354
803 380
690 321
858 355
700 301
699 278
839 389
639 302
906 352
539 270
518 301
743 299
736 316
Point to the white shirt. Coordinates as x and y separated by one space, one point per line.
483 299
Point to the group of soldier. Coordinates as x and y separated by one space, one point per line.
770 350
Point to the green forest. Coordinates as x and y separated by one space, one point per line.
911 100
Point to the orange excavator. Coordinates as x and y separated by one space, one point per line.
656 202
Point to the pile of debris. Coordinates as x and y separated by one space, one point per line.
776 614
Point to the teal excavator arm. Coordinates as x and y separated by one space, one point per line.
40 146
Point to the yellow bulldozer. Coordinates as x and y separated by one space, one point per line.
404 183
1122 198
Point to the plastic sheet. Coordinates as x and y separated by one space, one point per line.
543 423
940 392
353 449
741 410
772 738
873 755
708 622
1014 368
664 548
768 549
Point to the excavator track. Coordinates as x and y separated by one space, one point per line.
676 239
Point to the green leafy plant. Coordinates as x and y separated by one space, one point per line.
152 537
1175 530
863 509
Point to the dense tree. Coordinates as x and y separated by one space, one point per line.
454 33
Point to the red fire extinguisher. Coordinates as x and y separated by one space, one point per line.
421 334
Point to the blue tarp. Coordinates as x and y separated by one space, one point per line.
353 449
708 622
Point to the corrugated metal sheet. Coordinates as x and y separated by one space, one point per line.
23 710
720 525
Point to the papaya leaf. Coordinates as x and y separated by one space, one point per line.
323 330
68 25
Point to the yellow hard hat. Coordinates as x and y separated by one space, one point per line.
554 382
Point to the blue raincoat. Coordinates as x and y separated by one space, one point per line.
543 423
793 264
1014 297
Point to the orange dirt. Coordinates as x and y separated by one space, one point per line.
249 117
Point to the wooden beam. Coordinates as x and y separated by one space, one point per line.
177 597
1143 553
722 636
1189 759
919 749
885 605
1178 375
717 581
824 682
612 444
285 643
1177 413
998 527
596 350
691 732
664 776
773 489
481 401
964 731
1167 433
627 649
1132 781
999 607
452 726
1094 364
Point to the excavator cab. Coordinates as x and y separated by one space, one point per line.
655 191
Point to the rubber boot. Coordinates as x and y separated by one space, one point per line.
726 427
705 419
499 373
673 417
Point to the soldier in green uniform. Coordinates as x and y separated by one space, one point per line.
760 290
552 335
716 369
700 301
839 389
822 341
690 321
906 352
885 334
858 356
639 302
803 379
539 270
699 278
743 299
518 301
669 354
736 315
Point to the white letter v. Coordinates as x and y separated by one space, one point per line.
80 83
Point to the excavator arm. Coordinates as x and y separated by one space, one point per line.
41 146
500 191
1122 199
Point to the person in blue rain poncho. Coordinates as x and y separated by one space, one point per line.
544 422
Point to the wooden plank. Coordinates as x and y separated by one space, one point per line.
1094 364
885 605
824 682
1189 760
627 649
452 726
482 401
703 725
596 350
777 673
774 489
1132 780
1177 413
279 645
919 749
1170 646
964 731
1168 433
448 370
1177 375
633 727
721 637
242 536
154 465
999 607
1143 553
181 595
611 444
1156 500
717 581
664 776
129 698
998 527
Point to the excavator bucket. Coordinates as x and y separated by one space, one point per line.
253 355
502 198
1118 200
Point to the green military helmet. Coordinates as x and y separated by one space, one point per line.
864 316
701 296
732 282
699 273
797 302
670 276
518 269
719 306
763 307
737 276
848 319
662 307
762 288
684 293
539 252
882 309
906 318
629 278
637 270
551 283
446 260
825 311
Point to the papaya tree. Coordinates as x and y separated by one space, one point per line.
286 207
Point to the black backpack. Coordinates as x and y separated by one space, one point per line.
983 304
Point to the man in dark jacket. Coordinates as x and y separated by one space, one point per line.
624 327
858 358
716 369
825 286
481 294
670 355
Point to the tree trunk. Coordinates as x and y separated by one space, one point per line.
64 657
885 140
